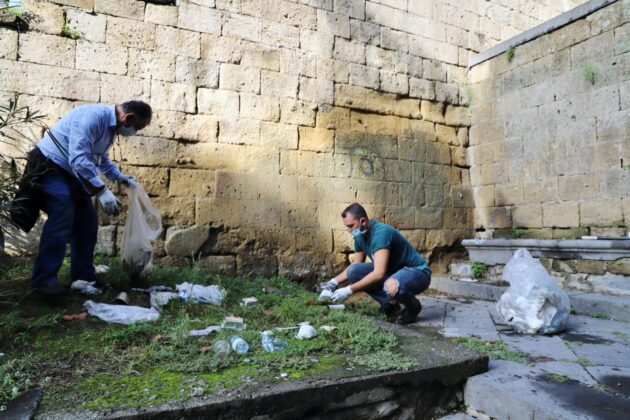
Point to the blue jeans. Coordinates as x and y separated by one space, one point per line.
410 283
71 218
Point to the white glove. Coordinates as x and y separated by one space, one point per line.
328 285
108 201
128 181
341 294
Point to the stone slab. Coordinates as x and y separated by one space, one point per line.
24 406
571 370
539 346
467 289
465 320
616 307
587 324
609 354
615 378
432 314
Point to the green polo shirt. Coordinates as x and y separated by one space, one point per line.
401 253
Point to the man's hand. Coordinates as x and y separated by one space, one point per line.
341 294
108 201
328 285
128 181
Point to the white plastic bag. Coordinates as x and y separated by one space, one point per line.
200 294
143 225
120 314
534 303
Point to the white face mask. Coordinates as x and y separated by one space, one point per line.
127 131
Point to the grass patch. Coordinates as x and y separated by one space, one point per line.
92 364
509 53
478 269
620 334
70 32
599 316
493 349
556 377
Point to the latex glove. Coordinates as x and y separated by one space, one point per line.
328 285
128 181
341 294
108 201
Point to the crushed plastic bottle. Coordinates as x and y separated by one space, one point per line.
238 344
271 343
221 348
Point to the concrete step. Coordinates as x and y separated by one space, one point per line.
613 307
520 392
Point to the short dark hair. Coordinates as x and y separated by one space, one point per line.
141 110
356 210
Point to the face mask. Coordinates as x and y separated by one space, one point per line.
356 233
127 131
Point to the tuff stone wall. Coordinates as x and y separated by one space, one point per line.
272 115
550 138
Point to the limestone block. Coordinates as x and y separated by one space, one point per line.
176 210
328 69
590 267
280 35
48 18
102 58
420 88
296 112
91 27
223 49
130 33
239 131
446 135
314 164
316 139
118 89
622 34
297 62
8 44
435 196
299 15
130 9
569 233
219 264
352 8
527 216
364 144
190 182
260 213
319 44
263 59
153 180
364 32
428 218
173 96
148 151
217 212
259 107
400 217
281 136
242 79
278 84
177 41
613 126
434 70
254 265
432 111
333 23
394 83
84 4
410 148
152 65
282 188
319 91
46 49
106 240
314 240
438 153
606 18
186 241
288 162
392 39
200 73
298 214
361 98
333 117
349 51
447 92
360 75
229 156
561 215
243 27
380 58
577 187
484 196
196 127
222 103
199 19
620 266
610 284
457 116
161 14
601 213
493 217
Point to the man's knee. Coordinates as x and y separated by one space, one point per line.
391 286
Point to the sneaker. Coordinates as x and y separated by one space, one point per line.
409 315
390 309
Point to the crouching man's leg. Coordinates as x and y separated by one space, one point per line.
357 271
403 287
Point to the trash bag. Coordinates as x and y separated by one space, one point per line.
120 314
534 303
200 294
143 226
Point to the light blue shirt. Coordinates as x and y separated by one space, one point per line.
84 137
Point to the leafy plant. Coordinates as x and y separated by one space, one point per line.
588 73
517 232
509 53
556 377
478 269
493 349
69 32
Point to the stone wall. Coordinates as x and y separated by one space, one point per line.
272 115
550 138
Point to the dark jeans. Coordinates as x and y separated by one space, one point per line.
410 283
71 218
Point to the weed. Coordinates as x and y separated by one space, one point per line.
509 53
69 32
602 388
599 316
621 334
588 73
493 349
478 269
584 361
385 360
16 376
556 377
517 232
480 34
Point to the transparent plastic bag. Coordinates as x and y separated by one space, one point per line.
143 225
534 303
120 314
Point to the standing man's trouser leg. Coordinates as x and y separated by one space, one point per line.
69 219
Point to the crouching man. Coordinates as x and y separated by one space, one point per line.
396 274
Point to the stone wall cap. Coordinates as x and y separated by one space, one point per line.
564 244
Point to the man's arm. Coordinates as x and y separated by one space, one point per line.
81 140
109 168
381 257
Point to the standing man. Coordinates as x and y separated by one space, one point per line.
68 159
396 274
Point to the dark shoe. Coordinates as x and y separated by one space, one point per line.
390 309
409 315
51 290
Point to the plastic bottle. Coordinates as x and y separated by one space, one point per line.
271 343
238 344
221 348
